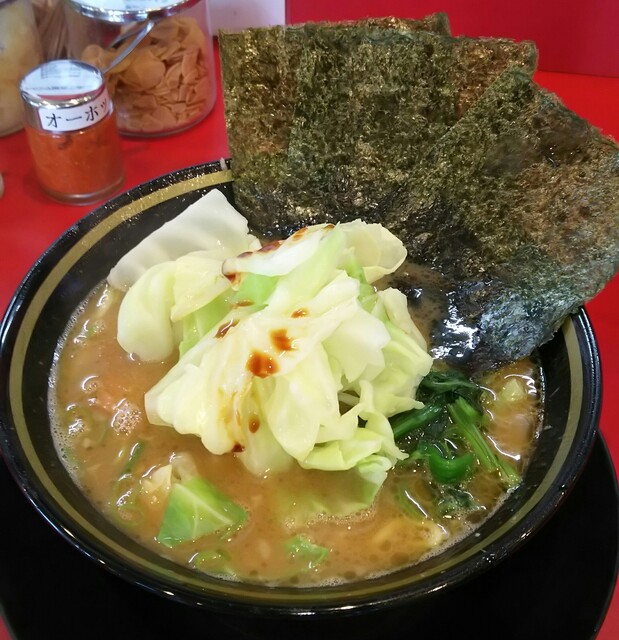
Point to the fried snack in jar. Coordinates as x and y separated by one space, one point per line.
20 51
158 63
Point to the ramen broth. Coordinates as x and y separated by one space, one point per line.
102 433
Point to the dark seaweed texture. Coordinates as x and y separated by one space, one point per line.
325 120
260 70
260 77
448 142
518 205
368 111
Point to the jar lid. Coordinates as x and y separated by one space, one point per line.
121 11
64 95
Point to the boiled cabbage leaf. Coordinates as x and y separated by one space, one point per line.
144 325
304 554
197 508
378 251
287 353
210 224
176 272
357 489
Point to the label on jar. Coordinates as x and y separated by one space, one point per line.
66 95
74 118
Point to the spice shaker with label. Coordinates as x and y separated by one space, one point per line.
72 132
20 51
157 57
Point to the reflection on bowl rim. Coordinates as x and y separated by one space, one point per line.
192 587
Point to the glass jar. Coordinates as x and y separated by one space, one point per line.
166 82
20 51
71 130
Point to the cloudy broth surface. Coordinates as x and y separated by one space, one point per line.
102 433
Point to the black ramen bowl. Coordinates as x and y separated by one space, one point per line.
81 258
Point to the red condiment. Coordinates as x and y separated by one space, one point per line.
221 332
280 340
84 165
72 131
261 364
270 247
234 277
254 423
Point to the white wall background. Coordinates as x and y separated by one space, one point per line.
238 14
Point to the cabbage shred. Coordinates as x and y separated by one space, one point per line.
285 353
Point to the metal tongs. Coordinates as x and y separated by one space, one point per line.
138 32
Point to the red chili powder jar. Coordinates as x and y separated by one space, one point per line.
72 133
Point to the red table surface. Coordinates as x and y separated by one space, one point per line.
572 36
30 222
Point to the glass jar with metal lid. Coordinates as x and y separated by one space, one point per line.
71 130
157 57
20 52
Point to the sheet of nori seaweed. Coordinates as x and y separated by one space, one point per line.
367 110
364 110
518 205
515 201
259 73
259 69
